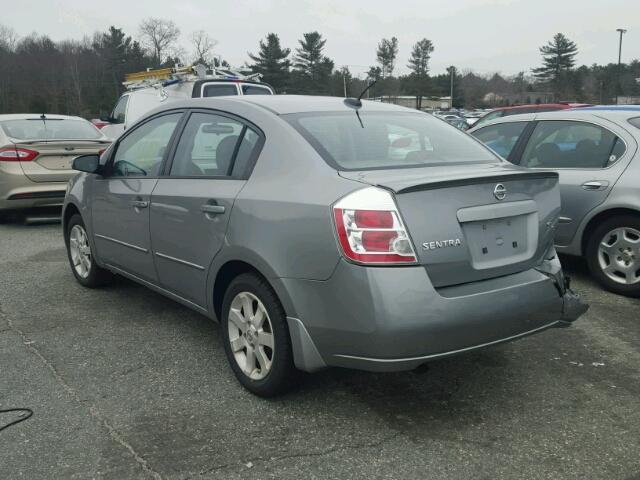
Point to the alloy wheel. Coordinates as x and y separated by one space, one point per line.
619 255
80 251
251 335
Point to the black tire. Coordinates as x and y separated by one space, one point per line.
96 276
282 374
593 243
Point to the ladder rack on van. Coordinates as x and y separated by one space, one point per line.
163 77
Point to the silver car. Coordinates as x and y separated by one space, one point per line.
595 152
322 232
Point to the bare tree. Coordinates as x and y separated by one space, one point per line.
8 38
203 46
159 36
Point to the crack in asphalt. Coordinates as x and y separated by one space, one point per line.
323 453
93 411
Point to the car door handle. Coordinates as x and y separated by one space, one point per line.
595 185
212 209
139 204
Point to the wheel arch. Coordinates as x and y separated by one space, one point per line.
69 211
228 267
600 217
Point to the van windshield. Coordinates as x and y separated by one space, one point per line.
50 129
386 140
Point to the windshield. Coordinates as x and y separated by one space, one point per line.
386 140
50 129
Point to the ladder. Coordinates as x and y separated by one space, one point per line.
163 77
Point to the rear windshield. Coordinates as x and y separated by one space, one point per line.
51 129
386 140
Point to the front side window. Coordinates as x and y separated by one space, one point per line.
376 140
571 144
207 146
219 90
255 90
140 153
119 111
501 138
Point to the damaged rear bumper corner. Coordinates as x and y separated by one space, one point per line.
572 305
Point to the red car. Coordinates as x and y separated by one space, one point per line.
532 108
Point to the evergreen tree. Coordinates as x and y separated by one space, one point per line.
420 56
419 66
272 62
558 59
311 68
386 54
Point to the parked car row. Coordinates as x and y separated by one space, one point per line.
322 232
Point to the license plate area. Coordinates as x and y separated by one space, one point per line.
501 241
56 162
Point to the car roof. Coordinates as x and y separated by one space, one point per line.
559 106
615 115
615 108
286 104
36 116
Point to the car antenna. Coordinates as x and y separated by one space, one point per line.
356 102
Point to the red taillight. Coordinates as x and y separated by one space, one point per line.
373 219
10 154
370 230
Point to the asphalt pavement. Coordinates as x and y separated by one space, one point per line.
125 384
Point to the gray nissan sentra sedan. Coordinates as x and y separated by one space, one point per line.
322 232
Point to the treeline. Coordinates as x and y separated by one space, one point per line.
84 77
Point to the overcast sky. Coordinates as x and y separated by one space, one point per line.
483 35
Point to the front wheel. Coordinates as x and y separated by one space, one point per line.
613 255
81 259
256 337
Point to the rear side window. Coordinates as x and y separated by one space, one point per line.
635 122
219 90
255 90
501 138
246 152
377 140
206 146
571 144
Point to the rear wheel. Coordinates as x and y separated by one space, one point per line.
81 259
613 255
256 337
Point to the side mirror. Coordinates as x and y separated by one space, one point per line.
105 116
87 163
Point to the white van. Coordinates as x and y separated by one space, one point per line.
139 99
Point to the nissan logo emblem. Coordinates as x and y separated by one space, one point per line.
500 192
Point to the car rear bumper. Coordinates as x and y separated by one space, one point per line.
388 319
18 192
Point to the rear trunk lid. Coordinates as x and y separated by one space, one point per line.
55 158
462 227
